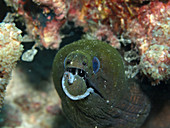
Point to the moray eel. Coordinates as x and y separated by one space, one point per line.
90 79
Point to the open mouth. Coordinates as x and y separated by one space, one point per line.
74 83
77 71
71 74
82 74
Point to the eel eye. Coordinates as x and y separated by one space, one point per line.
68 61
96 64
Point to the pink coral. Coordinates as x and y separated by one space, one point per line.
105 33
144 22
44 19
151 33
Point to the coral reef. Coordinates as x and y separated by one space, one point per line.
97 16
144 22
150 33
139 29
10 52
155 63
104 33
31 100
43 19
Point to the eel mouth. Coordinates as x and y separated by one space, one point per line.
77 71
72 73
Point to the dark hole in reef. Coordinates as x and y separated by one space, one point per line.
145 2
71 33
139 3
1 75
36 12
4 10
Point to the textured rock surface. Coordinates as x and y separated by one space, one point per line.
10 52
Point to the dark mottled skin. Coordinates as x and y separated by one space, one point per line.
117 104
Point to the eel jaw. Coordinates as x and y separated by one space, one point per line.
71 73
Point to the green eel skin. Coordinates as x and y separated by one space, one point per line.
90 79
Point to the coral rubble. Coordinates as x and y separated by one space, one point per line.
10 51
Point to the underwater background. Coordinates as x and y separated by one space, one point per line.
31 100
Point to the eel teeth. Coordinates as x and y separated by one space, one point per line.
77 71
84 75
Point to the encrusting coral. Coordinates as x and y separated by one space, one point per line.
10 51
150 33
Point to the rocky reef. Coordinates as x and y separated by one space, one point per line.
143 24
138 29
10 52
